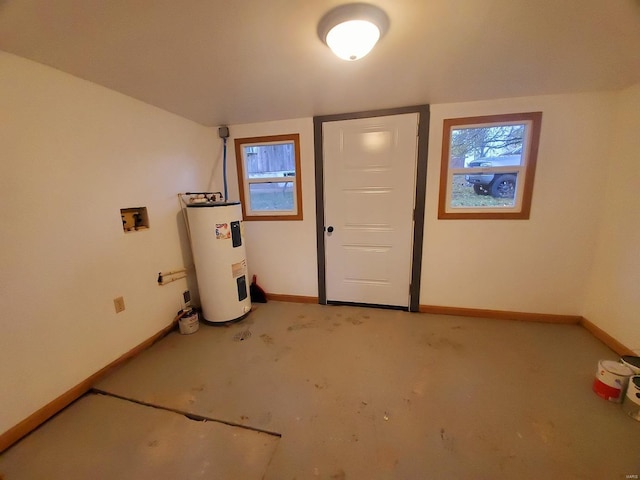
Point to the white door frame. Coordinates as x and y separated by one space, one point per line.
420 194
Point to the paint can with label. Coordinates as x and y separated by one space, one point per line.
631 404
188 322
611 380
632 362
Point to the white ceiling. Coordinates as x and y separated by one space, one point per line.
239 61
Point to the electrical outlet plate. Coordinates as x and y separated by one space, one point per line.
119 304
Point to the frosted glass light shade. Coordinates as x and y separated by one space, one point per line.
352 30
352 40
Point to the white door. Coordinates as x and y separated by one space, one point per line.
369 190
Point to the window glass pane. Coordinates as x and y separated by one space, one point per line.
498 146
276 160
477 191
271 196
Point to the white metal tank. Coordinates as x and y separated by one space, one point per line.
220 259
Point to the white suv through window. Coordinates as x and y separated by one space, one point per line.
498 185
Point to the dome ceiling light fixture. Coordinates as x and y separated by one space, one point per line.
352 30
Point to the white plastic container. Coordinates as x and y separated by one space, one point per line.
220 258
188 323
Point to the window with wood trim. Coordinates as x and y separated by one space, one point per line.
488 166
269 177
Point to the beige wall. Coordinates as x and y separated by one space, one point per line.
281 253
538 265
72 154
613 296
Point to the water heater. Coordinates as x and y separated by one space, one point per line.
219 255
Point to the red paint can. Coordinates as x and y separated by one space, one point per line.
611 380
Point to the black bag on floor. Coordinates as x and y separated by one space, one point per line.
257 294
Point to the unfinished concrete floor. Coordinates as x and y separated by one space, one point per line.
354 393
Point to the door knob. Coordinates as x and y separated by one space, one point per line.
330 229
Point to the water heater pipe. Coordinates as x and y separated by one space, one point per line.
224 167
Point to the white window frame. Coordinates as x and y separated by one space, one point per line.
244 182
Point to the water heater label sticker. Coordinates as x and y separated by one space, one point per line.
239 269
222 231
